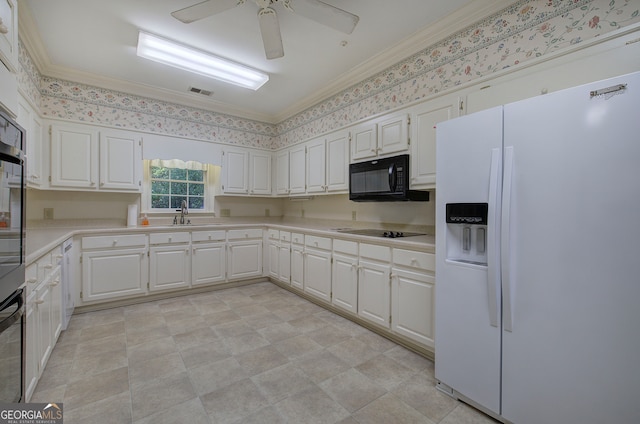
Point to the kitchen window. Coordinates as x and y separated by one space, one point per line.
169 182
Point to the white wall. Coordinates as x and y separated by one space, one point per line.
78 204
339 207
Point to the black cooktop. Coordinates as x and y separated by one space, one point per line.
378 233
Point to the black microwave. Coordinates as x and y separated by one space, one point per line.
383 180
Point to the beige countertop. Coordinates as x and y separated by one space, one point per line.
40 239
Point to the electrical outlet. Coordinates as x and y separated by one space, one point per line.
267 212
225 212
353 215
48 213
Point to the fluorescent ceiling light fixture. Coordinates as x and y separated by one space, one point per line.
189 59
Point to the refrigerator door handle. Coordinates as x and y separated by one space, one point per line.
493 250
507 288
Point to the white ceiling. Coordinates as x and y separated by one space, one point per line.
94 41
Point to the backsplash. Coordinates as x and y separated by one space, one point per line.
526 30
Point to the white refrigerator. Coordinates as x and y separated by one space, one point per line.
538 257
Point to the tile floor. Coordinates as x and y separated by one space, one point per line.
253 354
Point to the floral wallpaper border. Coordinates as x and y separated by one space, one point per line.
524 30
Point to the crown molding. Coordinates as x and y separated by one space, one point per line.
438 31
454 22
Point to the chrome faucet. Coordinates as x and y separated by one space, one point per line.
183 211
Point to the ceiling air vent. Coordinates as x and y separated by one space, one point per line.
200 91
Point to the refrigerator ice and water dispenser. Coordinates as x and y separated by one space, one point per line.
467 232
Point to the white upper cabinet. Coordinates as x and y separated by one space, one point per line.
282 172
235 170
74 157
424 118
246 172
260 173
297 170
393 134
337 178
32 124
381 137
9 38
364 141
316 166
120 160
84 158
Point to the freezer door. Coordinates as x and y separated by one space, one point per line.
573 276
467 338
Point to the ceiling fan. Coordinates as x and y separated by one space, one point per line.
316 10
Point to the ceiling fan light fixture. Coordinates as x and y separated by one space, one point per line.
193 60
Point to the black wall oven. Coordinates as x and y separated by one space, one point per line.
12 260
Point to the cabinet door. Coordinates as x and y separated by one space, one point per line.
33 127
208 263
364 141
297 170
412 305
423 140
31 360
74 157
344 277
282 172
43 316
236 172
393 134
316 166
274 260
56 305
317 273
245 259
374 292
120 161
284 262
260 173
169 267
108 274
297 267
338 162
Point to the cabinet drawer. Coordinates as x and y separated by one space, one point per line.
285 236
116 240
344 246
297 238
411 258
166 238
373 251
31 277
218 235
248 233
317 242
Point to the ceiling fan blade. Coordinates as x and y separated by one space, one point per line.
270 29
203 10
326 14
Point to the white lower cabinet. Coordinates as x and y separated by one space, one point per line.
273 252
31 348
297 260
43 315
374 291
208 257
169 263
284 257
344 275
413 295
114 266
244 253
317 267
